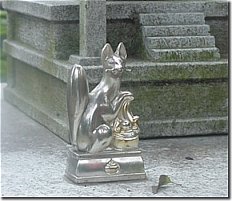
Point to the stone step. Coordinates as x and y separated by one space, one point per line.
191 54
176 30
149 19
179 42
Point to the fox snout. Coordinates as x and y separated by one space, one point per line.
118 69
115 71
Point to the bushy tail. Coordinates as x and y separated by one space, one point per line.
77 99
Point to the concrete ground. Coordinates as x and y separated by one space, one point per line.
33 162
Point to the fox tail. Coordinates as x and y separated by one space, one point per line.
77 99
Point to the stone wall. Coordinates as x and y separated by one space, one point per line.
172 99
54 26
216 15
127 31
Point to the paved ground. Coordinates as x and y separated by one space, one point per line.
34 160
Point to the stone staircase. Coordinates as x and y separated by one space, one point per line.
170 37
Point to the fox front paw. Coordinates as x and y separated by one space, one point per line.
103 138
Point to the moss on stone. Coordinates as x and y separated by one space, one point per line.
180 100
184 56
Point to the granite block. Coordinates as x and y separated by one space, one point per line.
54 39
177 118
43 90
174 99
179 42
179 100
176 30
55 125
92 27
170 71
186 127
41 96
141 70
189 54
216 8
158 100
69 9
55 68
127 9
84 61
155 19
124 14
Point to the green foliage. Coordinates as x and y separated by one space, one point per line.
3 14
3 26
3 32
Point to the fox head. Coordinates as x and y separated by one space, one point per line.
114 62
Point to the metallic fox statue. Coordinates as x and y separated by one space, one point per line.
101 119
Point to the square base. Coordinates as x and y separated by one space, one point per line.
104 166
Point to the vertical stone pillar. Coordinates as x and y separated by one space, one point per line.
92 32
92 27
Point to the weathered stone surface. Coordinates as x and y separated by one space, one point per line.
170 71
180 42
168 101
117 30
55 68
55 39
54 124
166 108
92 27
129 33
49 10
141 70
216 8
189 127
41 96
44 99
156 19
37 80
84 61
176 30
219 28
172 38
127 9
69 9
190 54
166 111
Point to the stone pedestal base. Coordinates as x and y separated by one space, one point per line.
105 166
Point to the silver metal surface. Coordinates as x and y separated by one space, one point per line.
108 166
101 122
101 118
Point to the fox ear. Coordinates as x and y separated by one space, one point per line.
106 52
121 51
